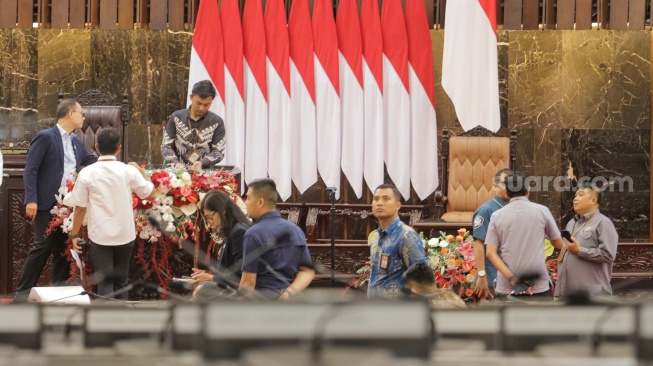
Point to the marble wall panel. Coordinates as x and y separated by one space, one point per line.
110 71
6 62
64 64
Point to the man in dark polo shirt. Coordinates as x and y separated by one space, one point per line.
276 262
195 136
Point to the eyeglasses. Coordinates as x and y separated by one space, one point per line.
209 216
81 112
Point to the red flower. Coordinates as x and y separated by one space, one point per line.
160 178
135 201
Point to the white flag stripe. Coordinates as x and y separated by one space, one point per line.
396 106
256 129
373 115
302 116
234 123
353 124
469 65
327 107
424 139
196 73
279 133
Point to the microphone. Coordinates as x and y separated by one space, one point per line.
67 297
151 287
90 293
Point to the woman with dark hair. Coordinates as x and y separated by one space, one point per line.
228 221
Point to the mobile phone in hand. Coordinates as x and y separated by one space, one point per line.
566 234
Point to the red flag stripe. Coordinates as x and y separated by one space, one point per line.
372 41
490 9
325 40
301 43
395 39
349 37
420 54
254 42
233 50
276 35
208 29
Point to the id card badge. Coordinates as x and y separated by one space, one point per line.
385 260
193 156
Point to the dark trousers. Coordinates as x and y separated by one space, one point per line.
111 265
54 244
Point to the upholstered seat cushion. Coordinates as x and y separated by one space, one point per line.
473 162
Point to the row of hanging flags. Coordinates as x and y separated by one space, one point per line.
313 95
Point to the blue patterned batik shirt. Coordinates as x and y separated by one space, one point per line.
403 248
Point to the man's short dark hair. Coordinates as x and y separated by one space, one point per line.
265 188
393 188
64 107
598 192
516 184
204 89
108 141
501 172
420 273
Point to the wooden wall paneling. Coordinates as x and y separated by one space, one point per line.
158 14
59 14
193 5
583 14
549 14
126 14
603 15
176 14
8 13
565 15
499 12
512 14
78 14
25 13
94 13
45 18
109 14
636 14
143 14
650 215
619 14
531 14
442 8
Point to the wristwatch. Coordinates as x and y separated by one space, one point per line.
481 273
73 236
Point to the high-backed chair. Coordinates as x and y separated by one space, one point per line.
102 112
469 163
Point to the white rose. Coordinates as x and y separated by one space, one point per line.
444 243
186 178
433 242
175 183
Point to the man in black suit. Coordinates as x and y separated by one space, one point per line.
55 154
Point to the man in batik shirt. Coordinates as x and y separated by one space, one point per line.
195 136
394 246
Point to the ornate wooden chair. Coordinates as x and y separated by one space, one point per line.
469 162
102 112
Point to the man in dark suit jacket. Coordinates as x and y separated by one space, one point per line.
54 155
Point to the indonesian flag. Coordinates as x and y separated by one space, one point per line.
278 78
327 89
424 141
256 105
207 54
469 64
351 94
302 101
396 100
372 93
234 88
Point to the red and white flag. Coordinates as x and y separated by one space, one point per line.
372 93
278 78
350 45
207 54
302 101
470 74
327 94
396 100
424 131
256 105
234 89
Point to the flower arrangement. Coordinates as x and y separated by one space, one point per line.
452 260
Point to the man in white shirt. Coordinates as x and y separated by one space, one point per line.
105 190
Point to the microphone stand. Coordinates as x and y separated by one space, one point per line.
332 198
